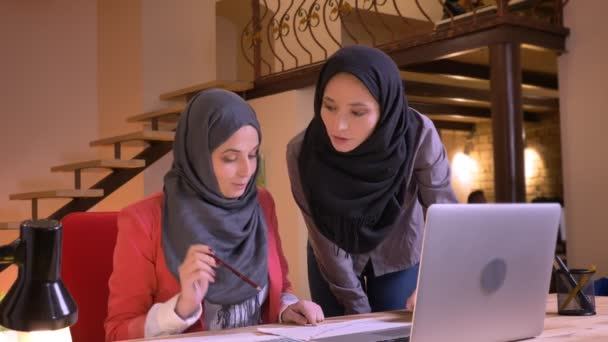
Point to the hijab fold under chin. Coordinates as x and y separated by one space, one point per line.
354 197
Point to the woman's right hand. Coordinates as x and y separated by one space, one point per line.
195 274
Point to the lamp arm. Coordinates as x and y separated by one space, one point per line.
8 254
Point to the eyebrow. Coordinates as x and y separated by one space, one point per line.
239 151
327 98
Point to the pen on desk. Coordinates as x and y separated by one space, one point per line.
236 273
584 301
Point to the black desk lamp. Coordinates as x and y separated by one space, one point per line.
37 301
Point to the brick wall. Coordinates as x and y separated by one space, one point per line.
482 152
543 157
546 178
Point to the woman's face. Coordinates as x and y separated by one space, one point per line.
235 161
348 110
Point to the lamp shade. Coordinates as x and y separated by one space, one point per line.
38 300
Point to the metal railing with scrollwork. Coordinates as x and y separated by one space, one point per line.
282 35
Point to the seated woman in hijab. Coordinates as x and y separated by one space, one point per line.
166 279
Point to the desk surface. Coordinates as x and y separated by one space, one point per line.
557 328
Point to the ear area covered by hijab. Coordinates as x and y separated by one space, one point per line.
355 196
196 212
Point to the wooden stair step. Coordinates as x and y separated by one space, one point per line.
162 126
168 114
146 135
10 225
101 164
64 193
235 86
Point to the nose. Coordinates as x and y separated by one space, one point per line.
341 122
246 167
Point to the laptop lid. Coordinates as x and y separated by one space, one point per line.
485 271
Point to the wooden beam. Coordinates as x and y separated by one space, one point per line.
537 33
507 123
476 112
414 88
454 125
442 108
456 68
284 81
498 30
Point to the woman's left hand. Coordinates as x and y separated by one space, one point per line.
303 312
411 302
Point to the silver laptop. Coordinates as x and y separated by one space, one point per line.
484 274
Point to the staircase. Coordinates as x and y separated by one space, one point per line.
157 141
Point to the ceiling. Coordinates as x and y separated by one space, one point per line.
459 84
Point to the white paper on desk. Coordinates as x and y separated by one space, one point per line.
243 337
306 333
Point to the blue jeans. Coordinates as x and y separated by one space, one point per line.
387 292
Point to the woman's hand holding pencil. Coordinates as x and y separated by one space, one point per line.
243 277
198 270
195 274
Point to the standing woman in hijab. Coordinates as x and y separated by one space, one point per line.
363 173
165 280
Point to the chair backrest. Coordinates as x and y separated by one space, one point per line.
88 248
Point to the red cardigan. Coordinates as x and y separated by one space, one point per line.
140 277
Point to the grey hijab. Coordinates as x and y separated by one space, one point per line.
195 212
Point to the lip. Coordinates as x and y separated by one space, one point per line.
339 141
239 185
339 138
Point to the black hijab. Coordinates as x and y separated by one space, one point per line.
196 212
355 197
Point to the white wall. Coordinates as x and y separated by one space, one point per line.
228 49
282 116
582 85
119 88
178 51
48 92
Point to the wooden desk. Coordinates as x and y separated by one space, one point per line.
557 328
576 328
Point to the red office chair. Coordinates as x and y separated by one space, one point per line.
88 248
